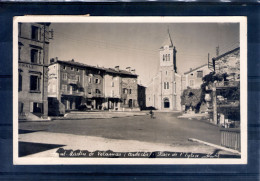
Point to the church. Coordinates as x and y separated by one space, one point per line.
164 91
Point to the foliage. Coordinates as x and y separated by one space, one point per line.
191 98
232 93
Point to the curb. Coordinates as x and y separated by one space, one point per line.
213 145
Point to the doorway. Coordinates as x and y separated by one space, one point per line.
166 103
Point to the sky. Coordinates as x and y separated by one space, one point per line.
136 45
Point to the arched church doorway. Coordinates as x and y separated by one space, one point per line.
166 103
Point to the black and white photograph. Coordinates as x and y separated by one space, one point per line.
129 90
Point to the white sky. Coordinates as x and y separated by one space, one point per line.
137 44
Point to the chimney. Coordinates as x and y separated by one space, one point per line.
52 60
190 69
117 68
133 71
56 58
128 69
72 60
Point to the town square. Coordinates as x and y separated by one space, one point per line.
163 88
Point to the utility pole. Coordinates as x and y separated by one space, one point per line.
217 51
214 103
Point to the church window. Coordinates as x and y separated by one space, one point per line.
166 85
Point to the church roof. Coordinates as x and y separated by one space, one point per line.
168 40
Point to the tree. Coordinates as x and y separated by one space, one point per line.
191 98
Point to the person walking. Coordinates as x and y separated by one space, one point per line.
151 114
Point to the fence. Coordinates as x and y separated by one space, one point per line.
230 138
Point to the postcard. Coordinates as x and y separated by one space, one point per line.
129 90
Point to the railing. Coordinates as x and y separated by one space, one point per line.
72 81
230 138
73 93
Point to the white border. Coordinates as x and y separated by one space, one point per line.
130 161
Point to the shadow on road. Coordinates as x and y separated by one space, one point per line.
22 131
28 148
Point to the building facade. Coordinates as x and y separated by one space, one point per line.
193 77
33 48
163 93
73 84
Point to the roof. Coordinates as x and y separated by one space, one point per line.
195 69
168 40
108 70
224 54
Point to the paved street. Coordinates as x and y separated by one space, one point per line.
165 128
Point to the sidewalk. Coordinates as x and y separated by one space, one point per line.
98 115
91 143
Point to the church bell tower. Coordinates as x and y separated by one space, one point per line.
168 70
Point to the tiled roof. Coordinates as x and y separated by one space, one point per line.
108 70
195 69
224 54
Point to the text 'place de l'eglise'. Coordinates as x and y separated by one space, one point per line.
54 87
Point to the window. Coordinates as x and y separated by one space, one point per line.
163 57
72 68
112 84
36 107
191 83
124 101
199 74
34 83
64 88
34 56
64 76
125 91
191 74
74 88
89 91
78 78
77 70
90 79
166 72
20 87
64 67
98 91
130 91
35 33
169 57
97 81
166 85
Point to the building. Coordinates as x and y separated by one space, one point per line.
229 63
129 90
66 86
141 97
164 91
226 93
33 47
193 77
73 84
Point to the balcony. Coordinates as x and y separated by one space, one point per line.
72 81
72 93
